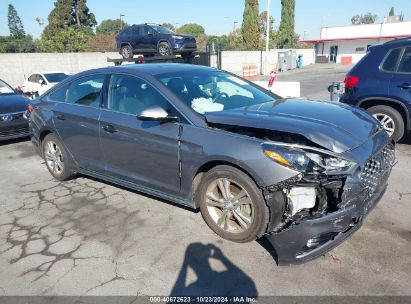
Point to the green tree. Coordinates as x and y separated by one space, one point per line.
286 37
368 18
263 22
16 27
251 25
169 26
191 29
110 26
10 44
391 13
82 14
70 39
70 19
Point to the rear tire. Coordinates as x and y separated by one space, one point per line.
239 214
391 120
127 52
57 159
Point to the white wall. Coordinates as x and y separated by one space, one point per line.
348 48
234 61
14 67
367 30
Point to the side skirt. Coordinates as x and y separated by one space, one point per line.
139 188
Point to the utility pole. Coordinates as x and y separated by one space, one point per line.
235 22
267 43
121 22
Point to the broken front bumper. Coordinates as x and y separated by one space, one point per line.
312 237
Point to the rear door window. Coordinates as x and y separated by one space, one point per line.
405 63
390 62
86 91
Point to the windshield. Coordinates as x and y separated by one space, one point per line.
55 77
213 91
162 30
5 88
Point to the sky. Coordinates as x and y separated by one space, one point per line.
216 16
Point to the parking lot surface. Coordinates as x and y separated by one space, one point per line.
315 79
87 237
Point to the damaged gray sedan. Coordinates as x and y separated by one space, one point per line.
302 174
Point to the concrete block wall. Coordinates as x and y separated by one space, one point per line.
15 67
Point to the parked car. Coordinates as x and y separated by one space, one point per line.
13 113
150 39
381 84
38 83
256 165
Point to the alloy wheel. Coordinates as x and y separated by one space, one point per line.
164 50
386 121
229 205
54 157
126 52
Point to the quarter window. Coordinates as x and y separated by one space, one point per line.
405 64
132 95
86 91
391 60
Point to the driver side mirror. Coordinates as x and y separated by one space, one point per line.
150 33
41 81
156 113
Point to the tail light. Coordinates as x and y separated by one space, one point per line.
351 81
30 107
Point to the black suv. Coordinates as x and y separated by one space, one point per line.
149 39
381 84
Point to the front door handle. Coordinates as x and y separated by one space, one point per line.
109 128
60 117
405 86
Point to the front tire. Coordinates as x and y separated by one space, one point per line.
164 49
57 160
390 119
127 52
232 205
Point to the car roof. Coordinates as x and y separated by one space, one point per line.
399 42
152 69
48 72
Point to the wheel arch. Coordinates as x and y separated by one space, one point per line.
389 102
209 165
163 40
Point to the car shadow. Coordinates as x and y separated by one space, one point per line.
14 141
214 274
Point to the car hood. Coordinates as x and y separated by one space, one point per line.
12 103
334 126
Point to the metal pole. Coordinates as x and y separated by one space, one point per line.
267 44
121 23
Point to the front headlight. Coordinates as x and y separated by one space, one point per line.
306 160
177 37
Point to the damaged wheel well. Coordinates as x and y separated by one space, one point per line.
207 167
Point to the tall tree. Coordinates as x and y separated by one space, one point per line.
391 13
16 27
82 14
110 26
69 22
251 25
286 37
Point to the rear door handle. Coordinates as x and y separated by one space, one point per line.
405 86
60 117
109 128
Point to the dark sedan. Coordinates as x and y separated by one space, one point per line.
303 174
13 113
